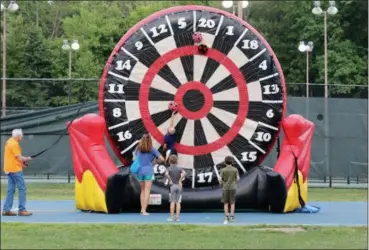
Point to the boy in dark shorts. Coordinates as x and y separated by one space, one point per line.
228 180
170 140
175 175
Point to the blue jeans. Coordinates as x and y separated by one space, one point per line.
15 179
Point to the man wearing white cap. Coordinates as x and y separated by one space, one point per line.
14 163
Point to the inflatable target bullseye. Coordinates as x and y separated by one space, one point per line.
229 94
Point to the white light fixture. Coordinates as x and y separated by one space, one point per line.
245 4
317 10
310 46
227 4
302 47
75 45
13 6
306 47
2 7
65 45
332 10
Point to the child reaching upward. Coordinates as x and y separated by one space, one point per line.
170 139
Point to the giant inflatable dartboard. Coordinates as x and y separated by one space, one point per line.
231 99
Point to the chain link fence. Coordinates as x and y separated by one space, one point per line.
340 144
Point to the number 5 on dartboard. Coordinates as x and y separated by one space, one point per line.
182 23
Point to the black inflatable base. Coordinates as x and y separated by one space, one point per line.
260 189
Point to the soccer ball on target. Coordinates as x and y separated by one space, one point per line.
197 37
173 106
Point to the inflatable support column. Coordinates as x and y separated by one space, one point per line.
294 159
92 164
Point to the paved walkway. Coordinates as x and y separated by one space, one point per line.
330 214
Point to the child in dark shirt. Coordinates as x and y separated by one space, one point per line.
170 139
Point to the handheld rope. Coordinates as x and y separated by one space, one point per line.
84 100
278 147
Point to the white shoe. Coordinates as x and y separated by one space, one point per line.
170 219
225 220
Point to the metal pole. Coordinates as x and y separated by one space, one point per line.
70 77
4 67
240 10
307 86
36 13
325 57
307 73
326 123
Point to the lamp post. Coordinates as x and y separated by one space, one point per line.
74 46
306 48
12 7
332 10
240 6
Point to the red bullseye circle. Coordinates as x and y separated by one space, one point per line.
194 115
216 56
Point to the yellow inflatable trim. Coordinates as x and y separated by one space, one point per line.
292 201
88 194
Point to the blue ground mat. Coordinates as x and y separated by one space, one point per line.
308 209
330 214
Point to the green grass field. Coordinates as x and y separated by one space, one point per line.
98 236
40 191
83 236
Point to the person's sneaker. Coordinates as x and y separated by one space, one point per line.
232 219
9 213
170 219
24 213
178 219
225 220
